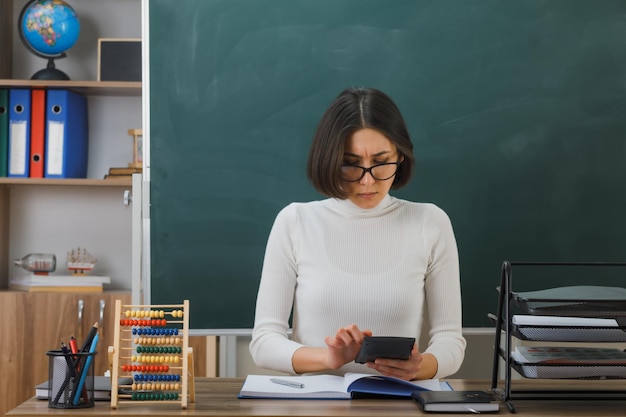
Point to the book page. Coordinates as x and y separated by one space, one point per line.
314 385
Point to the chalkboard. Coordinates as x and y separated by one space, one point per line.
517 111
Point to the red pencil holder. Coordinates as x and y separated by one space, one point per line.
70 381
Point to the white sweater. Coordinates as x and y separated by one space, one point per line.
337 264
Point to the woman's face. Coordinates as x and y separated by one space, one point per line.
365 148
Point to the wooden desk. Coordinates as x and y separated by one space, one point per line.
218 397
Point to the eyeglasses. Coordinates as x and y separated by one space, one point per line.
379 172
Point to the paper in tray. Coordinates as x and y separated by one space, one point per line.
583 301
568 329
563 362
570 372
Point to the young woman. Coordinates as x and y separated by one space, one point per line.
360 262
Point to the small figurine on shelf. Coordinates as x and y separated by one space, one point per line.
79 261
38 263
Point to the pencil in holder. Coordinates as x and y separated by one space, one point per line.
70 380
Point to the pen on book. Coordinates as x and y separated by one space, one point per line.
286 383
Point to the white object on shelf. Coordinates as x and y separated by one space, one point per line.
60 280
559 321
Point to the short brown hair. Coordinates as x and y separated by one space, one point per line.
355 109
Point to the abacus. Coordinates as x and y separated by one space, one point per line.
151 348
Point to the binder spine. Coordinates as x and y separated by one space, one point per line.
19 133
37 136
4 131
67 142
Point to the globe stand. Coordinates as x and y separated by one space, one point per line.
50 72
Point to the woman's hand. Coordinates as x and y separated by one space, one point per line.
340 349
418 366
344 346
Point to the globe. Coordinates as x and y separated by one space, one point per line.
49 28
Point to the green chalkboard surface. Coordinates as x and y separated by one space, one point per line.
517 111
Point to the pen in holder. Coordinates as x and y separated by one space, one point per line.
70 381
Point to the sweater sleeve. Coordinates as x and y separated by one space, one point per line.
443 295
270 346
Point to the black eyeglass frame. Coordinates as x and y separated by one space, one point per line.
366 170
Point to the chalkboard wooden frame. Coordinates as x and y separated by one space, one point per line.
516 110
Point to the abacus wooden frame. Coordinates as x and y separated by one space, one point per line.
187 378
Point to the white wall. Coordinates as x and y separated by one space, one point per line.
478 363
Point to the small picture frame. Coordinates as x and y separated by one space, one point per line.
137 135
119 59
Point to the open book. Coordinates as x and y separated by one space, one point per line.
334 387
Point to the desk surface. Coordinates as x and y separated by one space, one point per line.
218 397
